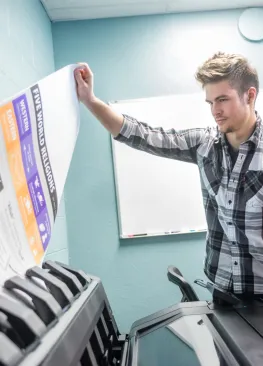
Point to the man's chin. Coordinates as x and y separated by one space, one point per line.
221 128
225 129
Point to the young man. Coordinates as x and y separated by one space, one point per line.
230 161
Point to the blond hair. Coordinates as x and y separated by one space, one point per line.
231 67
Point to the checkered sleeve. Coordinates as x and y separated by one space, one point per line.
174 144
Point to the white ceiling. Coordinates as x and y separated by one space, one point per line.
63 10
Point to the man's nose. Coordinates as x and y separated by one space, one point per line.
216 110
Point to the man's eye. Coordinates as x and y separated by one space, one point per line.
222 100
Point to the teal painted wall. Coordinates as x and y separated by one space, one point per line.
27 56
133 58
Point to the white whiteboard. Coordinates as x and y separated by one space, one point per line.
160 196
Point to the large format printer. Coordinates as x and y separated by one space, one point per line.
60 316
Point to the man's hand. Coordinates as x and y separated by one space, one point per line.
110 119
84 81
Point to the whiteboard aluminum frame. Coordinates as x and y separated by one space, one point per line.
116 188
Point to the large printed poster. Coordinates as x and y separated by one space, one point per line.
38 131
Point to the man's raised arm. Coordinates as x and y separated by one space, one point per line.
181 145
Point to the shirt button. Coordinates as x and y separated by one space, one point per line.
235 263
229 223
230 202
233 242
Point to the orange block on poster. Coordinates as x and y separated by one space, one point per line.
34 241
16 167
25 206
9 126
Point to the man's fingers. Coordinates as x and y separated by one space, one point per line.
78 76
85 67
85 70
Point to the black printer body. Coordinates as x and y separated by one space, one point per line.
65 319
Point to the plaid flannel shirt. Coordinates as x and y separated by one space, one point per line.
232 196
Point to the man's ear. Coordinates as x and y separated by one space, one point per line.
251 95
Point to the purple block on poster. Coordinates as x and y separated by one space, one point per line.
28 157
22 116
44 227
37 194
